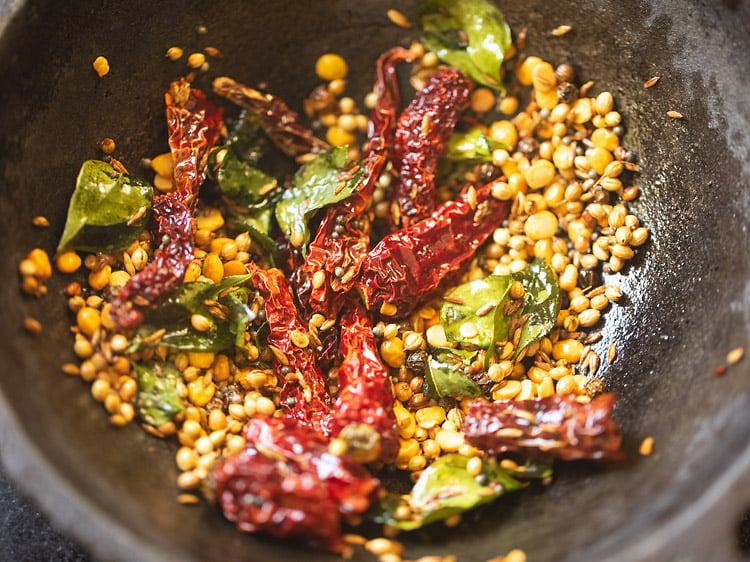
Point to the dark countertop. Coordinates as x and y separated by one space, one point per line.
27 536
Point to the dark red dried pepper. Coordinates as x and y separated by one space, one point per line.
163 275
194 124
408 265
422 134
286 483
343 237
281 124
365 400
558 426
304 396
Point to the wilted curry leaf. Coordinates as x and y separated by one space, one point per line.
246 138
446 488
256 221
240 314
174 316
471 35
158 400
233 165
447 374
321 182
533 468
108 209
241 183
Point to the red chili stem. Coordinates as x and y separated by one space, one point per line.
365 390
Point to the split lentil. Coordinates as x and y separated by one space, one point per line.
101 66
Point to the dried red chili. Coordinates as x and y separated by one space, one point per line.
558 426
163 275
408 265
343 237
281 124
422 134
286 483
194 124
363 413
304 396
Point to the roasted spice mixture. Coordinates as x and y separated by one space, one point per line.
553 186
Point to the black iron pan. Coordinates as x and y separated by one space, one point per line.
687 296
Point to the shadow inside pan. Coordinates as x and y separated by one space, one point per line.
686 302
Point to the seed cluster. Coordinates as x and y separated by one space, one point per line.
331 110
35 269
563 167
197 60
221 391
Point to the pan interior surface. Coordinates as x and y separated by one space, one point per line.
686 299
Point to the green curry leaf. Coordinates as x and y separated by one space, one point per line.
471 35
488 297
240 314
174 317
447 374
241 183
446 488
246 138
316 185
108 209
256 221
157 400
474 302
542 292
233 165
472 146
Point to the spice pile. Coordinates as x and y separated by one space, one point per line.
422 300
